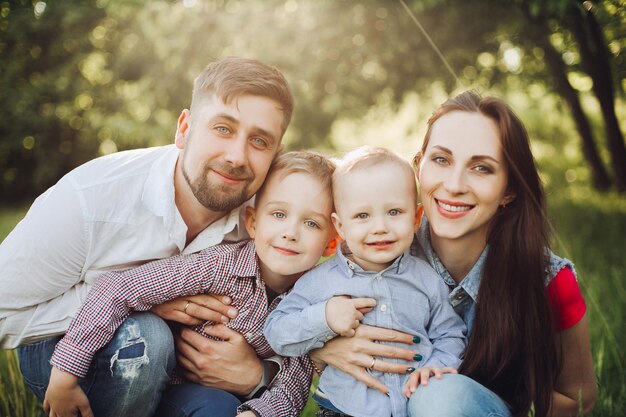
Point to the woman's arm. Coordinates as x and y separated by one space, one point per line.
575 388
353 355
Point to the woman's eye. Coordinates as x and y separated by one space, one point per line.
483 169
440 160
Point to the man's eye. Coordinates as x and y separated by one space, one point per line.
259 142
222 129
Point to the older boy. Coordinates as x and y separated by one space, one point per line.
290 225
375 198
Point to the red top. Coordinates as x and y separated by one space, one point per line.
568 305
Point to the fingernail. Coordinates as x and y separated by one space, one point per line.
232 312
416 339
418 357
387 394
224 319
409 370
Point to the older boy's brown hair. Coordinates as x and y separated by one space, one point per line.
307 162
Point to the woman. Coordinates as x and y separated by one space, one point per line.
485 223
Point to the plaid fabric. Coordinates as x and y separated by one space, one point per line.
324 412
228 269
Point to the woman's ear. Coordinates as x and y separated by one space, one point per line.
250 221
508 198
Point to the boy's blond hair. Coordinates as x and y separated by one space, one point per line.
231 77
307 162
365 157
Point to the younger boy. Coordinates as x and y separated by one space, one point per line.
375 196
290 227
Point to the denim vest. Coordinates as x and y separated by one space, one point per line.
463 295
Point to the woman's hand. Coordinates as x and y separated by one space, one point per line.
230 364
422 375
355 354
196 309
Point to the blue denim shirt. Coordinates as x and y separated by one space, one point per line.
410 297
463 296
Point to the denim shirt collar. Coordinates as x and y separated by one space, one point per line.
469 284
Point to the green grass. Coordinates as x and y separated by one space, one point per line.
590 230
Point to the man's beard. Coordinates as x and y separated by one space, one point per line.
219 198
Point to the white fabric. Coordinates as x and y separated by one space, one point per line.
112 213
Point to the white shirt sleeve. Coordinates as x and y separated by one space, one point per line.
41 263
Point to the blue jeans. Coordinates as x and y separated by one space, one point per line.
456 396
192 400
126 377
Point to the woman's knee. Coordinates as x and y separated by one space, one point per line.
454 396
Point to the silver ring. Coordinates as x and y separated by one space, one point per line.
373 363
185 308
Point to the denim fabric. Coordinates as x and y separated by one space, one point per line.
192 400
127 376
456 396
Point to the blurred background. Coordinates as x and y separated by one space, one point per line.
84 78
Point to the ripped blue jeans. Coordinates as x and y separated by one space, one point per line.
126 377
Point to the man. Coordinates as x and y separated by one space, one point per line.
125 209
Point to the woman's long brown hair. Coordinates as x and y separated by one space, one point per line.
512 348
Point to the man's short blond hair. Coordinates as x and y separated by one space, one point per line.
231 77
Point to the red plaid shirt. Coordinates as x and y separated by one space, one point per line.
227 269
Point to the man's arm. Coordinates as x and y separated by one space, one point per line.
41 260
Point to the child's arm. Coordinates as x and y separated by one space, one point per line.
116 294
422 375
64 396
446 329
299 323
287 394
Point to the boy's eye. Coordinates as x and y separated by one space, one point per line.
394 212
311 224
278 214
362 216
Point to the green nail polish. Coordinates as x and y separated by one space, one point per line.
416 339
417 357
409 370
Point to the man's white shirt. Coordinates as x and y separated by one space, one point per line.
112 213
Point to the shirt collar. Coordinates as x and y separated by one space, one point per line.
399 264
247 263
470 282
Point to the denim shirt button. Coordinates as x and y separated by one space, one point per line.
383 308
460 296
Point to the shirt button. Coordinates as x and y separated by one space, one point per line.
383 308
460 296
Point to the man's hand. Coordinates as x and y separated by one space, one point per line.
344 314
355 354
231 364
196 309
64 398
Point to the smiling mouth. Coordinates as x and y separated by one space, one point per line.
381 244
285 251
454 208
228 178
